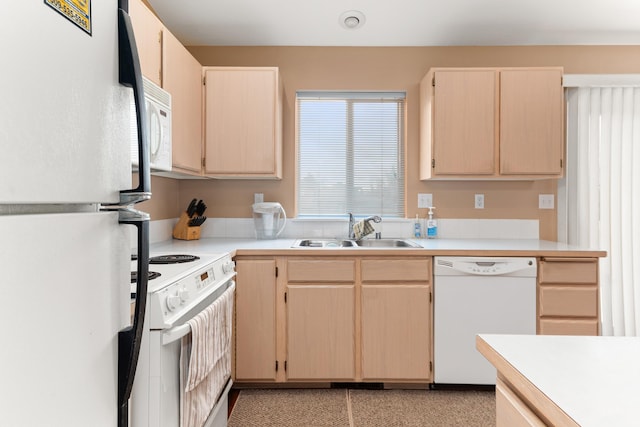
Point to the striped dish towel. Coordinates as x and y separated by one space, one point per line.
205 360
362 228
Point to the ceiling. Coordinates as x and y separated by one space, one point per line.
402 22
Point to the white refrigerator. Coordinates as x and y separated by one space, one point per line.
67 218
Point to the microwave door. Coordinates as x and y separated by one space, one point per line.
158 127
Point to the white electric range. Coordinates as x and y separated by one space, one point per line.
177 292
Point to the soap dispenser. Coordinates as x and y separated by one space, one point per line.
432 225
417 229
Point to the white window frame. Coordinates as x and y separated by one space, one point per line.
399 204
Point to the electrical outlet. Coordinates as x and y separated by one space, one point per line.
545 201
479 201
258 197
425 200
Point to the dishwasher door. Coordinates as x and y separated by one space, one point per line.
478 295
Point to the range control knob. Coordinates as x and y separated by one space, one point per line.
228 267
173 301
184 295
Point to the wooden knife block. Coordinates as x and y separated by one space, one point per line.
183 231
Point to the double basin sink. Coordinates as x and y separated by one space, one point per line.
365 243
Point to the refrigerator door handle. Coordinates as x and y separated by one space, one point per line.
130 75
130 338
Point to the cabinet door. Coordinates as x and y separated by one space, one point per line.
243 133
255 349
183 80
147 30
396 332
531 122
464 122
320 332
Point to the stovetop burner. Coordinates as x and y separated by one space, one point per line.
152 275
172 259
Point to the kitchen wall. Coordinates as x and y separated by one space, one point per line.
398 69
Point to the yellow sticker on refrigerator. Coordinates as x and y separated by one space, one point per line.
76 11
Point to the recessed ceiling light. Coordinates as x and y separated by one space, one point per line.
352 19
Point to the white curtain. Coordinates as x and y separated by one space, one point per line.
603 195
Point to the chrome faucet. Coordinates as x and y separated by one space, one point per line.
352 235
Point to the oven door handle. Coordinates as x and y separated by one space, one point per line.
174 334
177 332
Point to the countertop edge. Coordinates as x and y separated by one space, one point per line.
538 402
436 247
419 252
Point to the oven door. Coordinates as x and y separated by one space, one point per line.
156 391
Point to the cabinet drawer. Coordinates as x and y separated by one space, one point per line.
330 270
383 270
575 271
578 301
568 327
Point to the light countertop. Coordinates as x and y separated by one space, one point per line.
595 381
451 247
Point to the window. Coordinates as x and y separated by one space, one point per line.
350 153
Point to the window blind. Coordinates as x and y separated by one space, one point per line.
603 197
350 153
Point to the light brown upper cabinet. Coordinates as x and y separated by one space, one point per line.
243 122
166 62
491 123
147 30
183 80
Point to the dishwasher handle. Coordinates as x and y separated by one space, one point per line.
485 266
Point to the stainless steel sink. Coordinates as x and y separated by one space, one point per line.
323 243
386 243
366 243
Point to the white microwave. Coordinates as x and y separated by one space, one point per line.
158 102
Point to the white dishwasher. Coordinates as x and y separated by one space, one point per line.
478 295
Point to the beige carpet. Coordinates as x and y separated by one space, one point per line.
363 408
291 408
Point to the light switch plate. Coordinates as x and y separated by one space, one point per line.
425 200
545 201
479 201
258 197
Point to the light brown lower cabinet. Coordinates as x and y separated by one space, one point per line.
333 319
320 319
396 319
568 302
